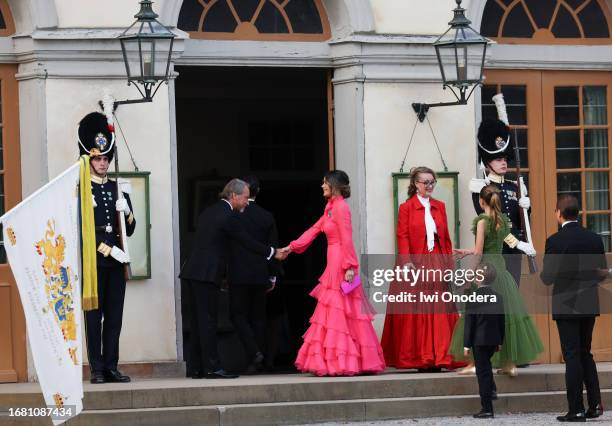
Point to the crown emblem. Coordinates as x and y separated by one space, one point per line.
499 142
101 141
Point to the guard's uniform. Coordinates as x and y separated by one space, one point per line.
103 325
510 207
103 342
494 142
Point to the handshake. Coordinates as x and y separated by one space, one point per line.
282 253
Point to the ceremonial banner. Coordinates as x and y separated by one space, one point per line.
41 236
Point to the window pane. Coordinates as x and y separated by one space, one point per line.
596 148
515 97
521 137
189 17
565 26
304 17
597 190
517 23
492 17
593 21
541 11
245 9
600 224
569 183
568 149
566 106
220 19
270 20
595 105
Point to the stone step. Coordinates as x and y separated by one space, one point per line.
292 388
303 412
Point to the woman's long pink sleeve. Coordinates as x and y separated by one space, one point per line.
301 244
341 214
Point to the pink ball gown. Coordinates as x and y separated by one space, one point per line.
340 340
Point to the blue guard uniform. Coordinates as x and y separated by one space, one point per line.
103 325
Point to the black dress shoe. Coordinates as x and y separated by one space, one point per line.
220 374
594 412
482 414
114 376
97 378
569 417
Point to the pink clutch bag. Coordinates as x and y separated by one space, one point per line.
347 287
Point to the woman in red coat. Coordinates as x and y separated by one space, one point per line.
418 334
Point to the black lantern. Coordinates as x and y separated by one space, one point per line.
461 54
147 51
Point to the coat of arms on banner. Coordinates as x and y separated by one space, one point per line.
59 285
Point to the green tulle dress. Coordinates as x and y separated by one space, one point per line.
522 342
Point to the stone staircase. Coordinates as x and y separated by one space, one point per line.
300 399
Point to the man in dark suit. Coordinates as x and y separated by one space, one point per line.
484 330
575 263
250 277
217 227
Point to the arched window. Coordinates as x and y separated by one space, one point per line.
291 20
547 21
7 26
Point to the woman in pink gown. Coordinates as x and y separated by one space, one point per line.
340 340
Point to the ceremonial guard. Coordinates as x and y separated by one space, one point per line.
495 152
103 325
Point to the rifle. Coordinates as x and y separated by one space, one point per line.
525 225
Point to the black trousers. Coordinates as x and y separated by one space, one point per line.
486 383
248 314
204 312
575 335
514 261
103 325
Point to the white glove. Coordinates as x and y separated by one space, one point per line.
122 206
119 255
93 199
524 202
526 248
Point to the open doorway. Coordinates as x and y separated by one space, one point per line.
272 123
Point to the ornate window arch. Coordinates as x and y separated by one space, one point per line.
7 25
547 21
281 20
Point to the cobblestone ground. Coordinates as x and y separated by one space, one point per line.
539 419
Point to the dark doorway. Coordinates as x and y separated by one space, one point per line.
273 123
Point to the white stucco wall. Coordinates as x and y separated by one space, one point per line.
415 17
149 324
389 120
98 14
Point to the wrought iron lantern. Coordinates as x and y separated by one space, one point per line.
461 52
147 52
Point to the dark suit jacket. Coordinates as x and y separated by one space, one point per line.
246 266
484 321
217 226
571 262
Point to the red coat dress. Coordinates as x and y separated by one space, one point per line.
421 338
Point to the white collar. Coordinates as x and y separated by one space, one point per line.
99 180
228 203
568 221
494 177
423 200
251 200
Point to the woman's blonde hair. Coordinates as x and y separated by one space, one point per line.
414 175
490 195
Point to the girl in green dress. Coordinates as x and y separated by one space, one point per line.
522 342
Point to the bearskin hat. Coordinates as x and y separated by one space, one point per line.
96 136
494 140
